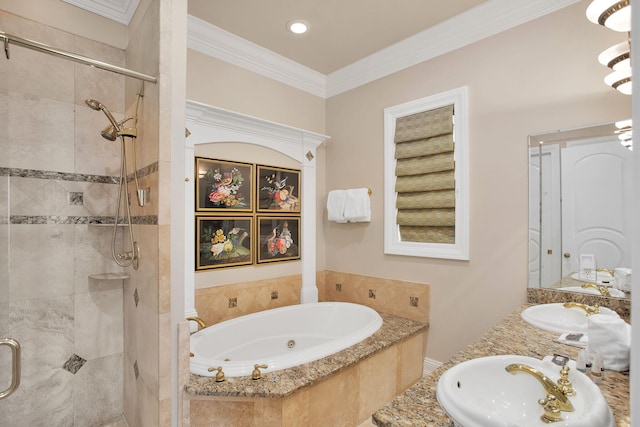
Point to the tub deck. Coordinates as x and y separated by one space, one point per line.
341 389
286 382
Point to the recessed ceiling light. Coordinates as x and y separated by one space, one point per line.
298 26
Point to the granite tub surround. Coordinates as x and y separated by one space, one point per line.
418 406
342 389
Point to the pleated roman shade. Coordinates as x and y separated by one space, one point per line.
425 183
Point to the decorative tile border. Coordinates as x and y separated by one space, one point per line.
62 176
74 197
78 177
77 220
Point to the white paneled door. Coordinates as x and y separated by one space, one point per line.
596 204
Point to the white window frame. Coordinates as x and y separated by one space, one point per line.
392 244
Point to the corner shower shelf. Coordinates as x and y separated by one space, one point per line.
109 276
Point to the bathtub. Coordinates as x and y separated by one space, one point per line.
281 338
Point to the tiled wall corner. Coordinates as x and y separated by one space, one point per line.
405 299
321 284
220 303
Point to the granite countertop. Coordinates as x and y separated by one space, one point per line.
418 406
569 282
284 383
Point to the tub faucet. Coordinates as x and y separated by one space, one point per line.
556 399
219 375
201 323
587 308
604 291
256 374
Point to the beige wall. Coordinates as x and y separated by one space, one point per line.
537 77
218 83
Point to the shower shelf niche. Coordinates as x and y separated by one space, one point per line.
109 276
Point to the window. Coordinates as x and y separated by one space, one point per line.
426 177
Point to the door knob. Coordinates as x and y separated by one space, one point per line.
567 255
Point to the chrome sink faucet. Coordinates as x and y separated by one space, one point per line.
556 399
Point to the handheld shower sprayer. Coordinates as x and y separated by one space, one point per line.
112 132
97 105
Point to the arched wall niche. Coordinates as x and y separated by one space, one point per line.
210 125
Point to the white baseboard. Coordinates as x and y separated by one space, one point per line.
430 365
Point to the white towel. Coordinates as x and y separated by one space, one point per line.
357 206
335 205
612 337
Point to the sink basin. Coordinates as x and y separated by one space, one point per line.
556 318
480 392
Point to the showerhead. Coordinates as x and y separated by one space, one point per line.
97 105
109 133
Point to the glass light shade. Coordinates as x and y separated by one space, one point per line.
620 80
626 136
616 57
624 123
611 13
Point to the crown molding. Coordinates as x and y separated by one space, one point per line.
480 22
218 43
473 25
117 10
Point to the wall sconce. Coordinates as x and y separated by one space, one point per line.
612 14
625 133
615 15
620 80
617 57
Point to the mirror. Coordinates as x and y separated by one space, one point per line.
580 195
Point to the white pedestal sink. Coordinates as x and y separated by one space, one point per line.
481 393
556 318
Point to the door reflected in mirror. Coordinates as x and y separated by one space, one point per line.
580 197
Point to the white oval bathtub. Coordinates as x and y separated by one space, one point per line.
281 338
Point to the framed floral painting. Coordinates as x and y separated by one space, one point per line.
223 242
278 189
279 238
223 186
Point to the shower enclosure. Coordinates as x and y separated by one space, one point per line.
63 359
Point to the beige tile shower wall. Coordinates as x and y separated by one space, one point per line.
147 361
221 303
404 299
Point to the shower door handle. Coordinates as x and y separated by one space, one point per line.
15 365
